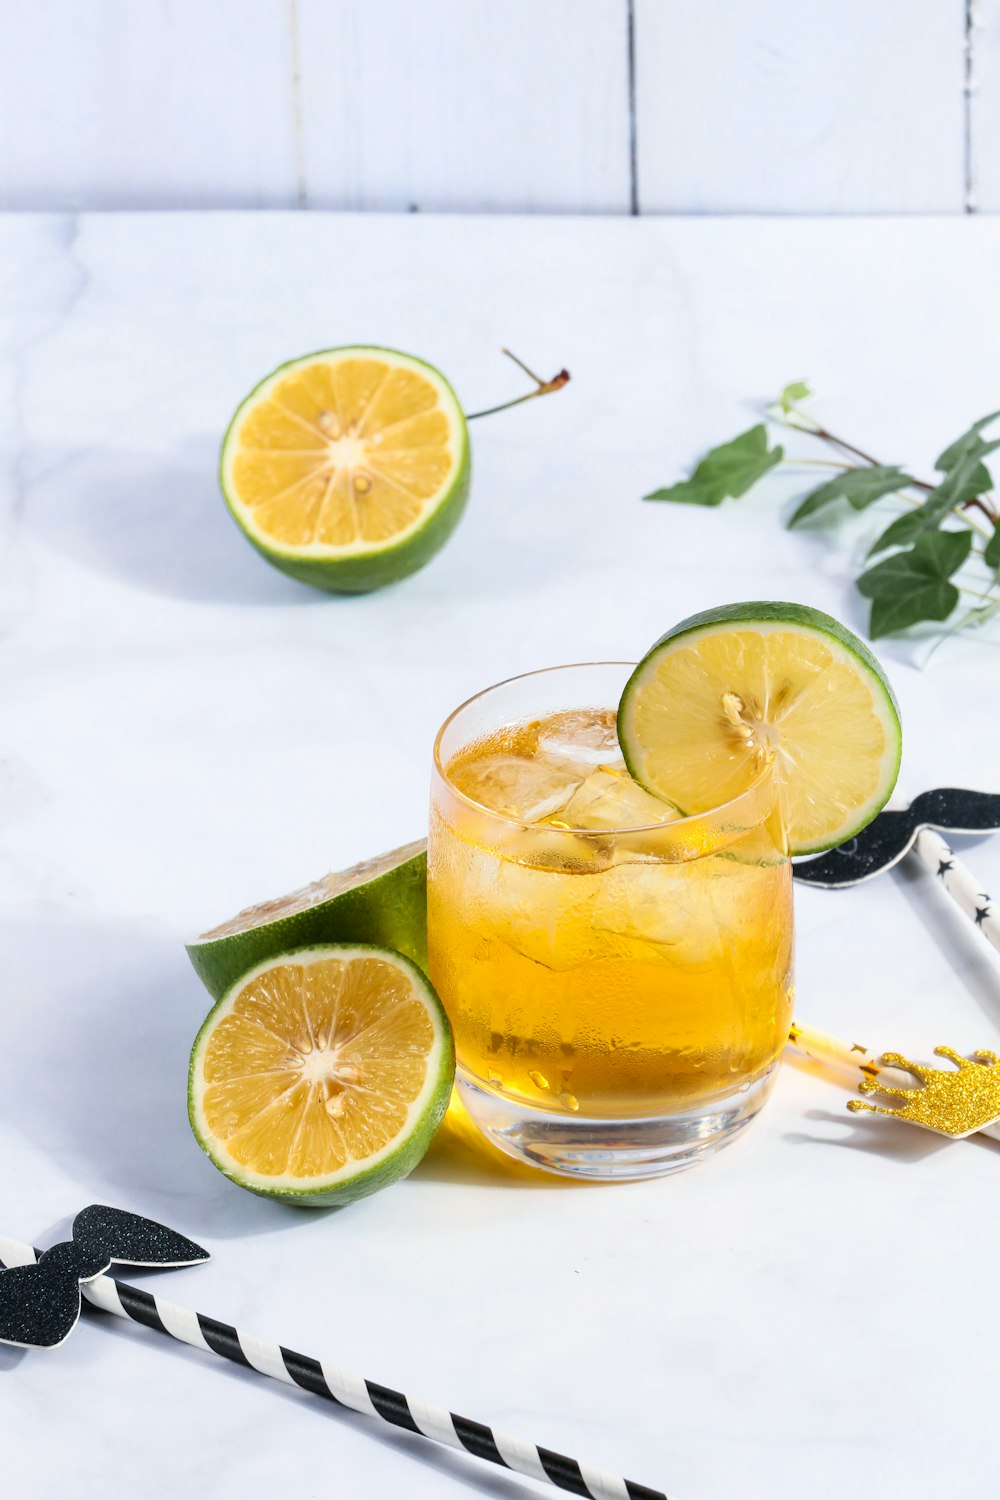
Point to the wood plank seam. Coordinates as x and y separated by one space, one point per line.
969 196
295 58
633 142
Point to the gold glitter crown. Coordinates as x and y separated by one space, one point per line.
955 1102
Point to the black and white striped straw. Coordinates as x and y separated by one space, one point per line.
320 1378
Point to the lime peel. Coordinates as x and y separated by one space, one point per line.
382 900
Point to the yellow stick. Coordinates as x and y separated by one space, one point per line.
849 1063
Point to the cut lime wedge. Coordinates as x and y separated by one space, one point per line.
381 900
730 691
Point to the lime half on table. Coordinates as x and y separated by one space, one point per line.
726 691
322 1075
348 468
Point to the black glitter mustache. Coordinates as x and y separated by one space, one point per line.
885 841
40 1304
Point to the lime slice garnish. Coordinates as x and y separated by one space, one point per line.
322 1075
733 690
348 468
381 900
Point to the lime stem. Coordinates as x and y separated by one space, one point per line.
544 388
520 363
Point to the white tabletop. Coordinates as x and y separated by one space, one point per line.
185 731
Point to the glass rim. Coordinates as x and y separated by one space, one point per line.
678 824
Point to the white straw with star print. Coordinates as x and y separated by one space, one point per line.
320 1378
960 883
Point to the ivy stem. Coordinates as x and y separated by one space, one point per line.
543 388
819 463
981 503
829 437
816 429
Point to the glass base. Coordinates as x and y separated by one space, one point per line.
611 1150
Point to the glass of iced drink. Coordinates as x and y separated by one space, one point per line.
619 977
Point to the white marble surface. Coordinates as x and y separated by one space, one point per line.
184 731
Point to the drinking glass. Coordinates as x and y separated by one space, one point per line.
620 995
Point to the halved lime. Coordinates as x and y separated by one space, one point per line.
381 900
348 468
322 1075
730 690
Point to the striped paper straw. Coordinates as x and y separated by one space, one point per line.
960 883
320 1378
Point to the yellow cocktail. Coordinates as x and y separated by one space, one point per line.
618 977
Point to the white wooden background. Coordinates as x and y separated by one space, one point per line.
594 106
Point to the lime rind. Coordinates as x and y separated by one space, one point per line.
765 616
359 567
384 903
398 1157
782 612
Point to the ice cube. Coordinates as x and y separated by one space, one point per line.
584 736
651 908
611 799
528 790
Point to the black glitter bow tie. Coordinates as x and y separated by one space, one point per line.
40 1304
884 842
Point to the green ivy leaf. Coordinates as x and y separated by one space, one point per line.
960 484
796 390
991 556
915 585
898 533
981 479
965 481
726 472
970 442
859 487
936 554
